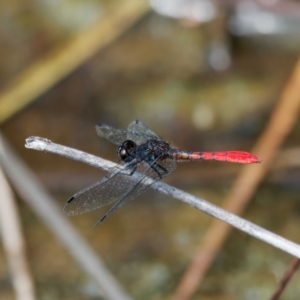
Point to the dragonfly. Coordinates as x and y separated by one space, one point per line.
145 158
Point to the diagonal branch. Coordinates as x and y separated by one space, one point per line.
58 64
45 145
31 191
13 242
290 273
281 122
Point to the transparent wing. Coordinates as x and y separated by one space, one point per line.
115 136
140 128
151 174
137 132
107 190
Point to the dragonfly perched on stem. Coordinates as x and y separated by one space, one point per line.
144 152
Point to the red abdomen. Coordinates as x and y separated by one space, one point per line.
230 156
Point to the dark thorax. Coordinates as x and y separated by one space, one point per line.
148 152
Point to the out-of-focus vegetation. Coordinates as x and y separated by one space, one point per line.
204 84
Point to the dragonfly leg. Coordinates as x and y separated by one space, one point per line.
130 169
162 168
133 170
156 166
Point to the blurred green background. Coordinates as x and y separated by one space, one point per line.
203 82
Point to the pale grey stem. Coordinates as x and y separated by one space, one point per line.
32 191
14 243
41 144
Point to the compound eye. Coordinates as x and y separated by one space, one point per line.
128 145
122 153
125 150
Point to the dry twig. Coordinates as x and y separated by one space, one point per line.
45 73
45 145
293 268
31 191
13 242
282 120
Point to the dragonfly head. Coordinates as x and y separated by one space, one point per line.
125 149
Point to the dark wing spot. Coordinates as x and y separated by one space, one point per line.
71 199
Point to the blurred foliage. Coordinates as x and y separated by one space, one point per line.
159 72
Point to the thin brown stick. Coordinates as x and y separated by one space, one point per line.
46 72
14 244
280 124
293 268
